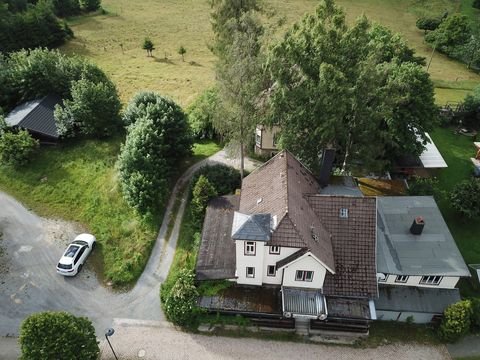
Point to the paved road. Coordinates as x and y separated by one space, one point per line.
32 246
159 340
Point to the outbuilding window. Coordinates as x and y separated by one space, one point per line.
430 280
401 279
304 275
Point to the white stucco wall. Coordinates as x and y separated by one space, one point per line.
448 282
271 259
305 263
255 261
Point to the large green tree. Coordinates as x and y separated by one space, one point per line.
157 139
358 89
58 335
93 110
454 31
238 43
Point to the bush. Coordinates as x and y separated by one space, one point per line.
456 321
471 106
476 313
181 303
428 23
93 110
201 114
58 335
454 31
225 179
90 5
476 4
465 198
422 186
16 148
202 192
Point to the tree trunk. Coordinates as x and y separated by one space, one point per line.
241 152
347 154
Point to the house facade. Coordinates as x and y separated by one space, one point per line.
334 257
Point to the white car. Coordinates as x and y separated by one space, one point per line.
74 257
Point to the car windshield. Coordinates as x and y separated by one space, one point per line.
71 251
65 266
80 242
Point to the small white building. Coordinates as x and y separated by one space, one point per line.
417 259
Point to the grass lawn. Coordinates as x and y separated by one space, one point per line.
173 23
457 151
78 182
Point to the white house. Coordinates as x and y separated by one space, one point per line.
334 256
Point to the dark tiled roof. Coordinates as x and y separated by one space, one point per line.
278 188
415 299
38 118
290 258
353 240
216 257
256 227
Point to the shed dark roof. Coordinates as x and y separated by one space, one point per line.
353 240
216 257
278 188
36 116
415 299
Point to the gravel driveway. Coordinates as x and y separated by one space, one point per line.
159 340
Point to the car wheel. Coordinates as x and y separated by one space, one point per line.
94 244
79 268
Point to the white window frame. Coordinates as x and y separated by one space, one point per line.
401 279
258 137
431 280
250 248
275 250
304 275
384 280
250 275
270 267
343 213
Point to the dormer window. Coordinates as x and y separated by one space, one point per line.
275 250
344 213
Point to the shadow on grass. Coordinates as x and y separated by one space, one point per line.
163 60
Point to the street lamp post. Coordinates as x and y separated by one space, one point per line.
110 332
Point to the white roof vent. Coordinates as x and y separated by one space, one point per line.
259 200
344 213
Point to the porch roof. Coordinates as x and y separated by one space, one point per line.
304 302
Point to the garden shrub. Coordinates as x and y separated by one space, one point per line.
16 148
428 23
202 192
456 321
422 186
201 114
58 335
225 179
465 198
181 302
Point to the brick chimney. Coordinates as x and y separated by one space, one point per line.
417 226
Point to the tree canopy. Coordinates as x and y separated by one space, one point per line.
157 139
58 335
358 89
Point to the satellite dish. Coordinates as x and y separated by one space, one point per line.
322 317
381 276
287 314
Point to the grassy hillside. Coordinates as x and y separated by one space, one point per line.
173 23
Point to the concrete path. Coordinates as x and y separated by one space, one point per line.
160 340
31 246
